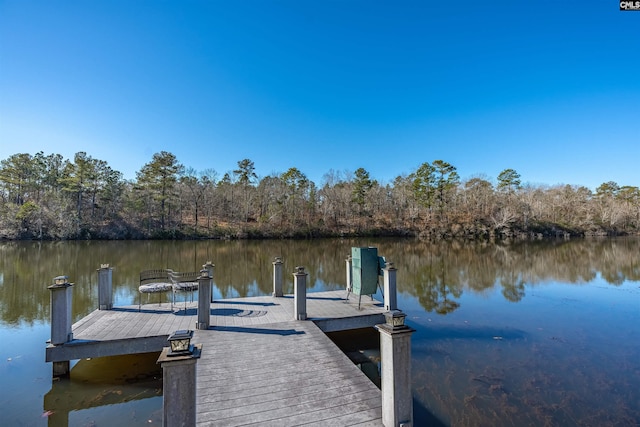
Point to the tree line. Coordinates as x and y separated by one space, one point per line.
50 197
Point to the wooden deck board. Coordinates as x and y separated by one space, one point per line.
369 418
338 386
151 327
306 413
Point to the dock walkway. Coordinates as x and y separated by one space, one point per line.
258 365
280 374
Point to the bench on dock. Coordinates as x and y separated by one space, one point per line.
155 282
184 282
166 280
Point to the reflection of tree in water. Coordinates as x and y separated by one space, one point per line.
615 278
513 288
435 272
434 290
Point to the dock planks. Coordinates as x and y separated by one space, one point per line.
280 374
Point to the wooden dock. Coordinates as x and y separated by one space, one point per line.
258 365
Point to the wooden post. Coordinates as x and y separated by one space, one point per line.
61 333
209 266
277 277
390 290
395 353
204 299
179 388
300 293
105 287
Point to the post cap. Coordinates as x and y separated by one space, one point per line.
60 282
395 319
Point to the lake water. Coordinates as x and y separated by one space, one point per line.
527 334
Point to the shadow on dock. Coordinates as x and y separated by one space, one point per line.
311 297
234 312
236 302
262 331
146 309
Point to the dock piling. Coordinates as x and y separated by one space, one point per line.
395 353
390 289
179 388
61 333
209 266
300 293
205 283
105 287
277 277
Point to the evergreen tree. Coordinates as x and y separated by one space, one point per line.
362 184
157 180
508 181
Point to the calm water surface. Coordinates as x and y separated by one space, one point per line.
526 334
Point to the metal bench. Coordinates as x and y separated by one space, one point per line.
155 282
184 282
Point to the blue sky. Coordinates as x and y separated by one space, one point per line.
548 88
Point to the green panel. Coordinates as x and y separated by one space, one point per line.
364 270
382 262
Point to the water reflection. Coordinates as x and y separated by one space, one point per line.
437 274
436 285
362 346
103 382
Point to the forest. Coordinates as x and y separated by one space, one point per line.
49 197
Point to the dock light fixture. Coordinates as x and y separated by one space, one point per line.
180 342
60 280
395 319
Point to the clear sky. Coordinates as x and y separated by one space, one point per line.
548 88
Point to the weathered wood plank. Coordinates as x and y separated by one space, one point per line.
366 418
301 414
338 387
150 327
